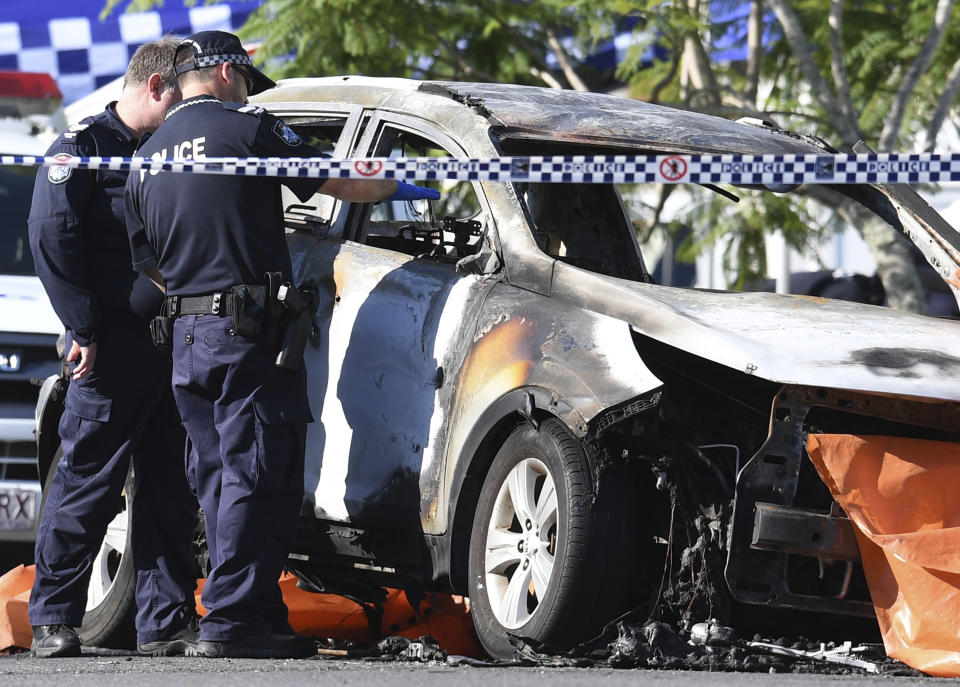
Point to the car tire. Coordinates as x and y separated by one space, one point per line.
111 598
543 521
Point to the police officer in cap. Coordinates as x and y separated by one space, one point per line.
212 239
119 402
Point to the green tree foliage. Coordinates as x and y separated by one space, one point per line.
483 40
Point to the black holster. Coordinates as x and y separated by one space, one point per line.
298 305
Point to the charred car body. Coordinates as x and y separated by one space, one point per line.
507 407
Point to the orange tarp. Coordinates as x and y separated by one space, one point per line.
903 496
445 618
14 597
326 616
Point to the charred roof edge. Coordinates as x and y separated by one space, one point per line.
474 103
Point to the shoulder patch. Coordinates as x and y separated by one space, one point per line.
58 174
286 134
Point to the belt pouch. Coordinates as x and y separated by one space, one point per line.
248 309
161 331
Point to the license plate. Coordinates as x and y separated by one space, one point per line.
18 507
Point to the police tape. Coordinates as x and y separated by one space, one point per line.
773 171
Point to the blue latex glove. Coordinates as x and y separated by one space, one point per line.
411 192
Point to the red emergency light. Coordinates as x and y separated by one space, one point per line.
23 93
28 85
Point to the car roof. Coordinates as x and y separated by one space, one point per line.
530 112
559 115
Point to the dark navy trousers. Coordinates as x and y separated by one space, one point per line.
246 420
124 407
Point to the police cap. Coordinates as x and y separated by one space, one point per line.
215 47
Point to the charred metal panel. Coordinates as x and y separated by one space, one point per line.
927 230
393 332
584 363
526 266
781 338
803 531
770 479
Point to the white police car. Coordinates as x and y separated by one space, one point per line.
28 326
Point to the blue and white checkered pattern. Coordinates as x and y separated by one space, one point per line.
211 60
82 52
773 171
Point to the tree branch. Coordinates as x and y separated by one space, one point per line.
839 64
804 56
696 62
754 51
947 98
662 83
546 77
894 120
561 54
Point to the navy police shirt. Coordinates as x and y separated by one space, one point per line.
206 232
78 237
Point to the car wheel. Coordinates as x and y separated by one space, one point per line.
551 552
111 601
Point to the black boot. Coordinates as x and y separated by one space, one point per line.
54 641
267 645
174 644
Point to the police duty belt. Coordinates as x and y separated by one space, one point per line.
776 172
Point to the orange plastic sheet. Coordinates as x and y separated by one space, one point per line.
14 597
903 496
327 616
445 618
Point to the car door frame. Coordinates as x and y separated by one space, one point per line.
329 208
466 289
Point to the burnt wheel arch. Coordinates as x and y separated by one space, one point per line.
484 440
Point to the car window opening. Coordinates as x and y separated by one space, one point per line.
445 230
322 133
583 225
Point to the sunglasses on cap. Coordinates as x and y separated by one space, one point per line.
248 77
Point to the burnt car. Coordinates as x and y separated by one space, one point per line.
507 407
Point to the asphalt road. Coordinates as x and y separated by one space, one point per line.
132 671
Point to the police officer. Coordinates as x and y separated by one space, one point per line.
119 402
213 238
